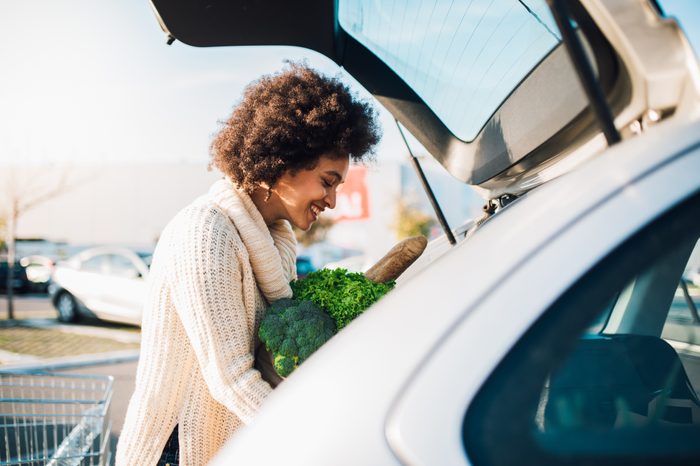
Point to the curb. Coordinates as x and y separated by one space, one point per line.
74 362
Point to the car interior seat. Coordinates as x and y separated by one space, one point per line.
622 380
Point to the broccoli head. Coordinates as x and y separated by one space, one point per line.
292 330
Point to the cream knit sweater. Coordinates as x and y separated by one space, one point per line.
216 266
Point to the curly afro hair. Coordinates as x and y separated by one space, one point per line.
286 122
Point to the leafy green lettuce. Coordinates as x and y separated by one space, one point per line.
344 295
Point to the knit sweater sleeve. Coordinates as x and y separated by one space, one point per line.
207 292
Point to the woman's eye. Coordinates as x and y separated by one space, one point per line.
327 183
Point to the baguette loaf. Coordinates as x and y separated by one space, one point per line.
397 260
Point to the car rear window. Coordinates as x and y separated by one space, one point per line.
462 58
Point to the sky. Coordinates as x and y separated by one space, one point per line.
93 82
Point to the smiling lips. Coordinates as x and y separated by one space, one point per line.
316 211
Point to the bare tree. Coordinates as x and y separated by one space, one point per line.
2 234
21 189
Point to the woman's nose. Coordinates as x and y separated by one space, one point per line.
330 198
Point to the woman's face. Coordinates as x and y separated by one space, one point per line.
306 193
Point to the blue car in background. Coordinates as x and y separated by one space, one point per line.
20 282
304 266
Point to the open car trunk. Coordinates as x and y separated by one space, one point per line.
488 87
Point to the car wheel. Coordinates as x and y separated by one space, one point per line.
67 307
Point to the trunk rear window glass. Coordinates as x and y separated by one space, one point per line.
462 58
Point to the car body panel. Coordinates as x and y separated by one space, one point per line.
348 383
418 431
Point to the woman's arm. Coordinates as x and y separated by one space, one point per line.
207 289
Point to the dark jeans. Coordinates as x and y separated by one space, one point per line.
171 452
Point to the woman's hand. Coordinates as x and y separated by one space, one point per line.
264 364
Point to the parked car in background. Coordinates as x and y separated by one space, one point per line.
35 260
550 331
104 282
304 266
38 270
20 282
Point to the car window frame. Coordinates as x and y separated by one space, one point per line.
500 415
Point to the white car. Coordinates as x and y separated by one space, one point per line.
553 331
104 282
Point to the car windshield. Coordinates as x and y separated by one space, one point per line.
462 58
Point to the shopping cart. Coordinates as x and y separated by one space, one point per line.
55 419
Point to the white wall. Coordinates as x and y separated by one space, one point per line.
128 204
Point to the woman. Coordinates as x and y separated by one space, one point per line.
222 259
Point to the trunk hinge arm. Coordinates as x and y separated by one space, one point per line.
428 190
